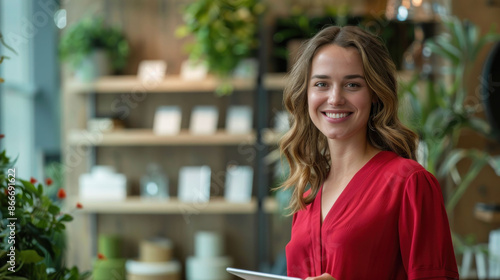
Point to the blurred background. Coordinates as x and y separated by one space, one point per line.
159 120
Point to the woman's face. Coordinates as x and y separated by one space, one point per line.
339 98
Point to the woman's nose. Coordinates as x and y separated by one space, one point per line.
335 97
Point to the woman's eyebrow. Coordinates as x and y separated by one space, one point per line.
320 77
347 77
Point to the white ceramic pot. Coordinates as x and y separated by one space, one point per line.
95 65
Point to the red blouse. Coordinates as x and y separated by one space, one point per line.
388 223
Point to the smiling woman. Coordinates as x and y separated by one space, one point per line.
371 211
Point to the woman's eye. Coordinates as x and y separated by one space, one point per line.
320 84
352 85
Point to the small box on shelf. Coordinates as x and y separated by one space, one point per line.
103 184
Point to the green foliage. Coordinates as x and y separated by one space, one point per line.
438 110
39 228
89 34
225 32
2 57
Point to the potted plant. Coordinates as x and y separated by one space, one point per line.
225 34
32 236
94 49
439 111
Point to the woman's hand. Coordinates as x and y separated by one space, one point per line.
324 276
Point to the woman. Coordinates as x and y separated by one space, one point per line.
370 211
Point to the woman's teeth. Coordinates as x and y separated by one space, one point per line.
336 115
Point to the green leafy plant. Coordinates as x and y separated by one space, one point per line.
90 34
2 57
32 229
225 33
438 110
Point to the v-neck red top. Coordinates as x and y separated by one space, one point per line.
388 223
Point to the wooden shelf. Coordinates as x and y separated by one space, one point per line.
136 205
274 81
146 137
171 84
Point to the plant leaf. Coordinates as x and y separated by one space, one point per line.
472 36
471 174
479 125
439 50
495 164
459 32
40 190
454 53
29 187
2 41
65 218
451 161
54 210
490 37
30 256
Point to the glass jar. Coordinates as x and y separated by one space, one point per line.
154 184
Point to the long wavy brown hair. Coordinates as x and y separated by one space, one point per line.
304 146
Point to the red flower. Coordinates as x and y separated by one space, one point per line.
101 256
79 205
61 194
48 181
6 192
33 180
2 136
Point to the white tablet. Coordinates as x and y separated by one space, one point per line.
253 275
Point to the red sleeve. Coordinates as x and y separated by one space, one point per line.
424 232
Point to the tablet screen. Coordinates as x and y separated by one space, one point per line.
253 275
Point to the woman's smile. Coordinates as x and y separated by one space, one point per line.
336 116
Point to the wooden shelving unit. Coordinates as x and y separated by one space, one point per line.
134 146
